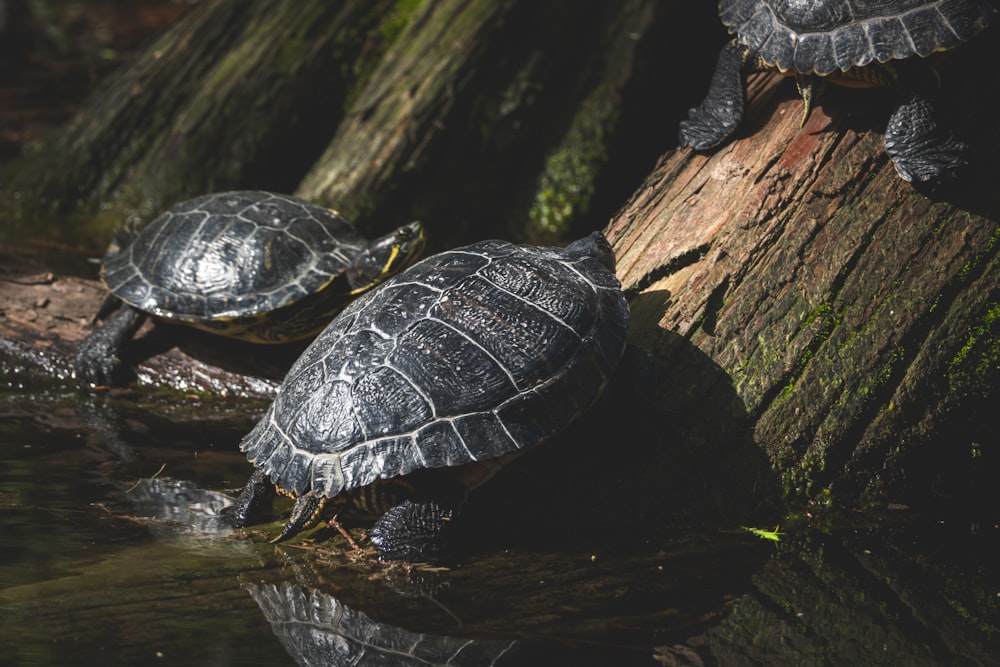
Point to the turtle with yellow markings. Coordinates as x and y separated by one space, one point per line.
252 265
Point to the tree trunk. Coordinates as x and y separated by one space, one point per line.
480 118
856 318
219 99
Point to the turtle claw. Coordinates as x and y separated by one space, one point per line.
919 149
718 116
304 515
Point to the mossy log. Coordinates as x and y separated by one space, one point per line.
856 317
200 109
480 118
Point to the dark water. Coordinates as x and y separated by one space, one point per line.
112 553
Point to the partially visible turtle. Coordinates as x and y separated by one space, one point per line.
253 265
855 43
467 356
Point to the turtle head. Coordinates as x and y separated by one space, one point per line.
386 256
595 245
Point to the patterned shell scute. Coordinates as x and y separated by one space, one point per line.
231 254
468 355
823 36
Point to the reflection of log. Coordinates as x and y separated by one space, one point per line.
43 317
852 313
908 595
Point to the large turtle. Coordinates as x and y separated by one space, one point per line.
467 356
858 43
254 265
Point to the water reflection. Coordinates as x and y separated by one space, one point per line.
178 511
104 561
317 629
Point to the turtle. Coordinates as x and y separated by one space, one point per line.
251 265
467 357
854 43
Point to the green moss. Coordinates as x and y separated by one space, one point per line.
974 368
798 480
567 181
400 16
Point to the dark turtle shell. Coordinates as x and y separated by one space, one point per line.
231 255
824 36
468 355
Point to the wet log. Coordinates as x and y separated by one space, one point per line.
854 315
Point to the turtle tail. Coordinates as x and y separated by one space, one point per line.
306 512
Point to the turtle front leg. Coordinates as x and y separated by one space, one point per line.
256 497
97 359
718 116
920 150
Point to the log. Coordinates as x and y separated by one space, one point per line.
803 300
235 92
483 118
854 315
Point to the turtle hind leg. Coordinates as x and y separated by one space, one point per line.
97 361
921 151
415 531
717 117
305 514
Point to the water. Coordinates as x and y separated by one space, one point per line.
113 554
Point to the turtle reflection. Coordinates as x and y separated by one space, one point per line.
317 629
183 514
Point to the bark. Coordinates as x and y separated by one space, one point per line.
854 316
236 92
492 118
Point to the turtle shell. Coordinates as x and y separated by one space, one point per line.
824 36
231 255
468 355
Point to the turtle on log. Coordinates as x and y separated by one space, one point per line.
856 43
258 266
467 356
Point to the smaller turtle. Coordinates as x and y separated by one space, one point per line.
466 357
850 43
257 266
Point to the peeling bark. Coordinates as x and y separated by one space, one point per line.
840 301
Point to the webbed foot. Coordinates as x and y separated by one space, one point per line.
920 150
718 116
415 532
305 514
